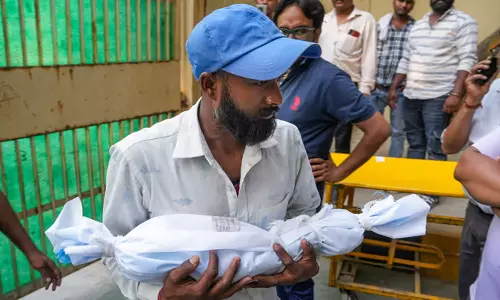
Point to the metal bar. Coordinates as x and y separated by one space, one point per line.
38 33
6 33
128 30
23 196
138 29
418 285
167 30
375 290
82 32
148 29
132 126
22 31
37 194
101 158
392 252
51 177
68 32
58 203
158 31
94 32
110 133
328 192
121 130
106 31
55 46
151 121
117 31
64 165
396 260
77 164
90 171
141 123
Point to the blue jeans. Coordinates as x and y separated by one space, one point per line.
380 100
300 291
425 121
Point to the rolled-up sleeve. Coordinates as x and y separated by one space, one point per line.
466 40
305 198
123 211
404 62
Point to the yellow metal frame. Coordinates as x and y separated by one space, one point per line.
343 268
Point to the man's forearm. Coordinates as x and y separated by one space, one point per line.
459 83
456 135
398 79
480 175
10 226
375 135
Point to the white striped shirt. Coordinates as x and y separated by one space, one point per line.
435 53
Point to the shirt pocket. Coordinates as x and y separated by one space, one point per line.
348 44
264 216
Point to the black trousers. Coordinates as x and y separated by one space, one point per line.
474 233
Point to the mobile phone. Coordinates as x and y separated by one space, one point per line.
491 70
262 8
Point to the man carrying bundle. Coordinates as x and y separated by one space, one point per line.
226 156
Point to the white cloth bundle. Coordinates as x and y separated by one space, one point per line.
160 244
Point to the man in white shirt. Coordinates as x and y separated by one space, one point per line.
477 118
440 53
226 156
349 40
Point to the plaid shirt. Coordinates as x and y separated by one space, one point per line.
390 51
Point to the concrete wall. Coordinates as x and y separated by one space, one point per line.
484 11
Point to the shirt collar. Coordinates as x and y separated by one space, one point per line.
191 141
450 11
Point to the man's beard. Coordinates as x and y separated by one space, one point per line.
248 130
441 7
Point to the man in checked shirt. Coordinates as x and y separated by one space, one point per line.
440 53
392 31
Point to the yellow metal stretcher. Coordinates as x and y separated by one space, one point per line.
400 175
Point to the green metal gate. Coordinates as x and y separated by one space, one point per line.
42 169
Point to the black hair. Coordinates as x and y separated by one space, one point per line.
312 9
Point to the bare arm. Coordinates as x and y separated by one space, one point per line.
456 135
376 131
480 175
10 226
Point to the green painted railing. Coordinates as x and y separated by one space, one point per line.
40 173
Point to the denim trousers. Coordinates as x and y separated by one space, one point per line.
380 100
425 121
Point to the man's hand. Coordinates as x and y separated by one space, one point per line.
294 272
326 170
179 285
320 169
475 92
392 98
452 104
48 270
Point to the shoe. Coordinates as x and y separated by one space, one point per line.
433 201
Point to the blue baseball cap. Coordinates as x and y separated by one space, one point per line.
241 40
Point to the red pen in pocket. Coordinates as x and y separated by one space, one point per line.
354 33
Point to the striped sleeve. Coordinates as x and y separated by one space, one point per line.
467 45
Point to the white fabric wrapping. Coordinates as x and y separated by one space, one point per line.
160 244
